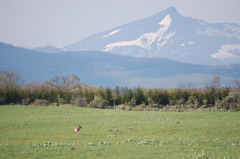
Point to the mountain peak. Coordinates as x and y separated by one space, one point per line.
168 34
171 10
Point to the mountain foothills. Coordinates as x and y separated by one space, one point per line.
172 36
108 70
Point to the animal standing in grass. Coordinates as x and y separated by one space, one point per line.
76 129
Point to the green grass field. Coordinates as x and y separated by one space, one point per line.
48 132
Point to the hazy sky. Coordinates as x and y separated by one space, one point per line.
34 23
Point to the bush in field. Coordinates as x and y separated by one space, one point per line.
78 101
26 101
192 101
98 102
123 107
41 102
232 101
132 102
140 107
60 100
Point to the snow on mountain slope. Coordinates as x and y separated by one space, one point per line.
228 52
112 33
172 36
145 41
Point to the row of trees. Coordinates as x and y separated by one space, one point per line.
63 90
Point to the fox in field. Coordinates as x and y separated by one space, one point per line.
76 129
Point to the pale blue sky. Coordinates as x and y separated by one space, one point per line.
34 23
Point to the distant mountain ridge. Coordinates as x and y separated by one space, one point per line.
172 36
48 49
108 70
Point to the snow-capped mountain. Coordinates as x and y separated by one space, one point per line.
172 36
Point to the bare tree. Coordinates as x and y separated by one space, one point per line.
75 79
185 84
236 83
215 84
60 82
10 79
63 82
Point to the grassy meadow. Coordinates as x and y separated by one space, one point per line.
48 132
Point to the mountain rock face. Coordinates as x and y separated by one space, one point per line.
172 36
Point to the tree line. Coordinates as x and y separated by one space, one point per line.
68 91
